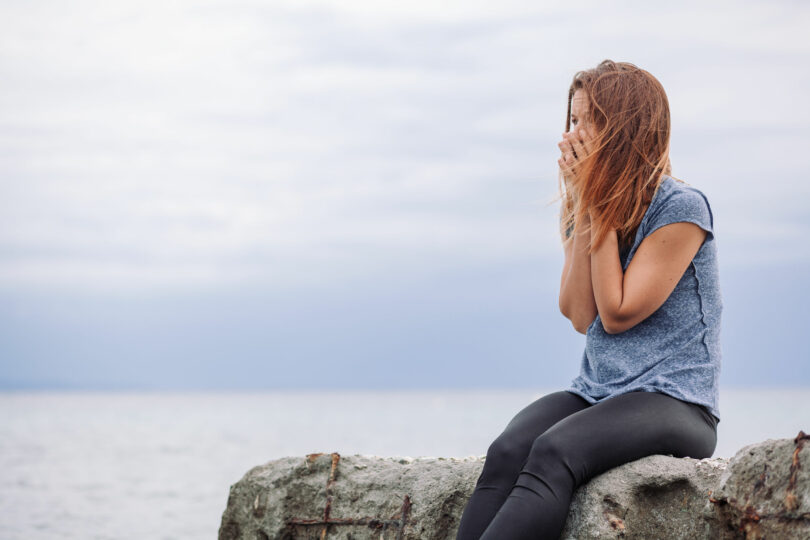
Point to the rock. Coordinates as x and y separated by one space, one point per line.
763 492
653 497
351 497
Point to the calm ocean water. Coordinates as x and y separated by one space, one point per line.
159 465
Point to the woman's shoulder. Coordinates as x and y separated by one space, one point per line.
678 185
676 200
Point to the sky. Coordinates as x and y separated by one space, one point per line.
300 194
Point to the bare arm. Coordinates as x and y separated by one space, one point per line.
577 300
627 298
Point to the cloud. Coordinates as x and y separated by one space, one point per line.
154 145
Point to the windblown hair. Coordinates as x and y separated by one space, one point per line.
617 180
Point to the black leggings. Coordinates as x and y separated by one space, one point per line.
559 442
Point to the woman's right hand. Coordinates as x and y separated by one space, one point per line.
574 146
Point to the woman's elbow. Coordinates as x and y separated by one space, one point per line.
579 320
563 304
609 329
616 326
581 324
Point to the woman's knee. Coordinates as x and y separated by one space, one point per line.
549 452
505 457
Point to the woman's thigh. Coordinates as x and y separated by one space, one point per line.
514 442
622 429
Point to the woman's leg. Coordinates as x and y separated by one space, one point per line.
587 443
507 455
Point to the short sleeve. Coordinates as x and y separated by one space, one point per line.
689 205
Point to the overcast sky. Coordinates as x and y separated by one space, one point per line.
358 194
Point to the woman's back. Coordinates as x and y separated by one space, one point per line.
676 350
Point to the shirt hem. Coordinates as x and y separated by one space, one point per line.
592 400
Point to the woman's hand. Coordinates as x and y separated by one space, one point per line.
574 147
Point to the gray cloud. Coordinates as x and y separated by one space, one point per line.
146 146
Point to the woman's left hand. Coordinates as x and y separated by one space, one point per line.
574 147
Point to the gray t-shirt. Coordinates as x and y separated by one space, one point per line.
676 350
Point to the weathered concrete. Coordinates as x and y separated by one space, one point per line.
763 492
653 497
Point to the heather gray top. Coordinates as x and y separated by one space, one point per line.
676 350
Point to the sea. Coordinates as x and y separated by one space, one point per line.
159 465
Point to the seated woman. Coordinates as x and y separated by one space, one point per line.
641 281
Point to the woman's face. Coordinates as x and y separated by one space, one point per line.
579 110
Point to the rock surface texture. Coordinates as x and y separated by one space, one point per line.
763 492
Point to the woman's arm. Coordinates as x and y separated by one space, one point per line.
624 299
577 301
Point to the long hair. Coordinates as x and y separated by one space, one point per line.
617 180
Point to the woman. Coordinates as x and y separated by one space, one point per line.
641 280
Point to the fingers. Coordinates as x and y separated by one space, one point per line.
574 146
567 164
565 161
566 145
579 141
569 157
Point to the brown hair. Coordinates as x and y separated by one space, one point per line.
629 112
